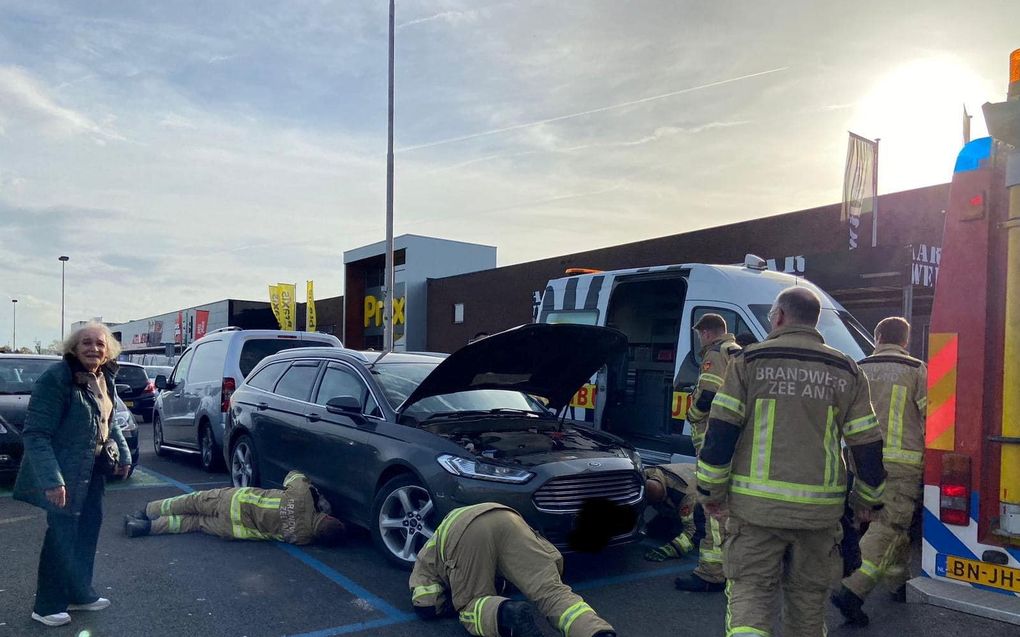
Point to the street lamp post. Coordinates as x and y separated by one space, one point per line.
14 324
390 292
63 261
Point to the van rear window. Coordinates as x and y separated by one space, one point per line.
256 349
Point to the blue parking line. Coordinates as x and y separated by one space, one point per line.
352 587
180 485
347 629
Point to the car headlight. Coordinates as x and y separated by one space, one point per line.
124 420
482 470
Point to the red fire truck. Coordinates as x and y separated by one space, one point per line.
971 547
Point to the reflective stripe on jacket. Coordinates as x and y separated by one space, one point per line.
899 392
715 357
286 514
779 417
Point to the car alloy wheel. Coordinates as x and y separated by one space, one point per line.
157 436
404 521
242 464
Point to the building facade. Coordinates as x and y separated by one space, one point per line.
417 259
895 277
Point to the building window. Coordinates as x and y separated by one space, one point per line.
458 312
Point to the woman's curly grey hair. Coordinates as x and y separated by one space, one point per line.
113 347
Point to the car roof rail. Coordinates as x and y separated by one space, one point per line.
229 328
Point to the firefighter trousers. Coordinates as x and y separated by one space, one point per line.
205 511
501 542
760 562
710 551
885 548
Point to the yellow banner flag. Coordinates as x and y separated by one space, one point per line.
276 303
288 306
310 318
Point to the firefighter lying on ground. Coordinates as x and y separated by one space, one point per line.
458 567
296 514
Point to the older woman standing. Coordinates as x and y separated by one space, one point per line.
67 424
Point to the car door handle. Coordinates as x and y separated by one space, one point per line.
313 417
262 406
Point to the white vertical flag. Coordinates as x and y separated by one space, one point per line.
859 186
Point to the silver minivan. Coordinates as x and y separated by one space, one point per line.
192 404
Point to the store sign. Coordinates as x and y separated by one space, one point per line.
374 306
924 268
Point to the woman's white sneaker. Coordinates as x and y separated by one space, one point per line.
99 604
56 619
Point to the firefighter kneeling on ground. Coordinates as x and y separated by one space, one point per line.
457 570
296 514
669 490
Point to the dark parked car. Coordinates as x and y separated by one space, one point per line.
139 391
396 441
18 374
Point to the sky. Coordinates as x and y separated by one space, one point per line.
185 152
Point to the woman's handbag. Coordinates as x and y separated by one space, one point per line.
108 458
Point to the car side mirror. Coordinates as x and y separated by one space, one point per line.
162 383
343 405
122 388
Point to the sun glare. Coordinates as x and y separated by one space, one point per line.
917 111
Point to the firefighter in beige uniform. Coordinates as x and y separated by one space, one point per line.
458 566
669 489
900 394
296 514
772 461
718 347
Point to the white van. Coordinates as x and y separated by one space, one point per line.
656 307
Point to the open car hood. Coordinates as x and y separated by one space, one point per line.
549 361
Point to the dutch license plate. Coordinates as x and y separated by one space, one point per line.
129 403
975 572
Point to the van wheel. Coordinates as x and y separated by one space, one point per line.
244 466
402 520
211 456
157 436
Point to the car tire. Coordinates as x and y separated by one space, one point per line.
211 456
244 465
157 436
400 506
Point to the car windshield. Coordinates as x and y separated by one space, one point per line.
17 375
398 380
838 328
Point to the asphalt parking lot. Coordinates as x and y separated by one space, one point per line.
199 585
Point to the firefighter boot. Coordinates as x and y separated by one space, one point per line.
694 584
133 527
517 619
850 606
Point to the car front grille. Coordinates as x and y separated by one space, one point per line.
568 493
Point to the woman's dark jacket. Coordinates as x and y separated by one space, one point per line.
60 435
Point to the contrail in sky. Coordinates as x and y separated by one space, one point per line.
593 111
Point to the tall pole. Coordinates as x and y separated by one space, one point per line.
63 260
874 201
390 291
14 324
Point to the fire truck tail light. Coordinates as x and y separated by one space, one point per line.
954 491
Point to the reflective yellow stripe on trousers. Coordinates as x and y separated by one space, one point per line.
570 615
